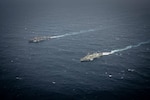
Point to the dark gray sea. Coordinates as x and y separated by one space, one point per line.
51 69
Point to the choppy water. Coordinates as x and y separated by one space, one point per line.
51 70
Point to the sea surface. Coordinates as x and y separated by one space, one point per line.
51 69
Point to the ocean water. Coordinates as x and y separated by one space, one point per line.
51 70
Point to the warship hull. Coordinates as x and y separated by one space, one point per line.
39 39
91 57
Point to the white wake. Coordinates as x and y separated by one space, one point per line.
126 48
74 33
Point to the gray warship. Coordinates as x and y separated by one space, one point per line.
91 57
39 39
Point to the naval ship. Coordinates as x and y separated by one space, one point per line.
39 39
91 57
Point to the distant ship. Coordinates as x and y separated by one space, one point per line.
91 57
39 39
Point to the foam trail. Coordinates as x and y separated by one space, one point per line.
106 53
119 50
74 33
129 47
